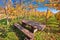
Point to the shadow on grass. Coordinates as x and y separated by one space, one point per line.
3 33
18 33
3 21
52 30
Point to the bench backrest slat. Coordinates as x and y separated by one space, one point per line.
34 24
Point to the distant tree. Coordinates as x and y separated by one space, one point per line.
40 0
7 5
57 15
54 3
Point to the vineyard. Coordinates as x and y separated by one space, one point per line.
10 15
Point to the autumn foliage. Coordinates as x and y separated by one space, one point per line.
18 11
58 16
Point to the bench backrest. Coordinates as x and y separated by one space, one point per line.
34 24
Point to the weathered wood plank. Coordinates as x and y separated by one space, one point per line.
25 31
33 24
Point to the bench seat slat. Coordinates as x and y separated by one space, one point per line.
25 31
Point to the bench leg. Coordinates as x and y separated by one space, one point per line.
26 38
32 39
33 30
23 24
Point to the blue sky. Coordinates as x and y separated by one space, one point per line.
1 3
44 9
39 8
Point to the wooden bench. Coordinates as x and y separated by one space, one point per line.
34 25
29 34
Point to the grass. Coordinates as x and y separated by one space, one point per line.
51 32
